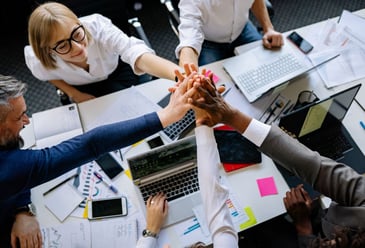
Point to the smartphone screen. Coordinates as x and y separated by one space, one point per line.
109 165
155 142
110 207
300 42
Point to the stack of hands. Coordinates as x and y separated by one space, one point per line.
204 96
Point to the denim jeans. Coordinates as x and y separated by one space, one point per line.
212 51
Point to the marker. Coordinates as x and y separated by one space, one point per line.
362 124
110 186
192 228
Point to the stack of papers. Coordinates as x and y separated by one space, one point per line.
347 38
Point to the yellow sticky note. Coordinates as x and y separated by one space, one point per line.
128 173
85 214
251 221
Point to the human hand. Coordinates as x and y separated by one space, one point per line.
26 232
189 69
81 97
157 209
298 205
210 107
178 104
272 39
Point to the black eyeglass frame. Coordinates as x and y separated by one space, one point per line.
70 39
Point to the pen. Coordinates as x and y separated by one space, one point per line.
362 124
110 186
59 184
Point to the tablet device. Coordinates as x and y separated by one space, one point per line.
235 151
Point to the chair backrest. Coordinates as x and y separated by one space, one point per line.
172 14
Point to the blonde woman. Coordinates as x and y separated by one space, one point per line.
89 56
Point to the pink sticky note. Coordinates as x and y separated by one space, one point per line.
267 186
215 77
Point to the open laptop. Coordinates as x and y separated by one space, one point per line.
171 169
319 127
259 70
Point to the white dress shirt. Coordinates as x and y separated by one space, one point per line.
214 193
108 43
219 21
146 242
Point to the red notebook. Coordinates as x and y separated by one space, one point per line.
235 151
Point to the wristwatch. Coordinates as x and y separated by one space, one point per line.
29 208
147 233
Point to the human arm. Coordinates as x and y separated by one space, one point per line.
188 55
75 95
157 209
271 38
27 168
156 66
191 35
335 180
214 193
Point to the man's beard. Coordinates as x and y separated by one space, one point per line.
9 142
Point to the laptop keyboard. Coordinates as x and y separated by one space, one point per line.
174 187
331 146
267 73
177 129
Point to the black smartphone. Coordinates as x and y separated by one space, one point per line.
107 207
155 142
300 42
109 165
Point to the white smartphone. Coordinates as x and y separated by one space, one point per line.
107 207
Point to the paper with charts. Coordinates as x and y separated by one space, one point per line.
82 233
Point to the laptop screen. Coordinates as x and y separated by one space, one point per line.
163 158
322 114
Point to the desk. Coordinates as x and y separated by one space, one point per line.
243 182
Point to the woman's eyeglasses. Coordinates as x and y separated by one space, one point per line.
65 46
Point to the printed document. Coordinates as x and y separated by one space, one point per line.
53 126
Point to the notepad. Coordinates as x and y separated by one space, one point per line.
55 125
63 199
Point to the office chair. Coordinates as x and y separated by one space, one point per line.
174 19
172 14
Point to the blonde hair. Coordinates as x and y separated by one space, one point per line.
41 25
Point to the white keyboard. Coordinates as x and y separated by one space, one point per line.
267 73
